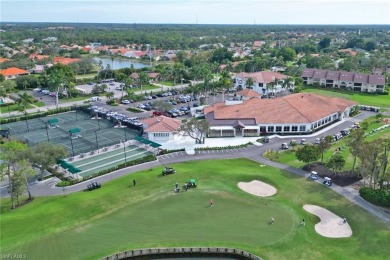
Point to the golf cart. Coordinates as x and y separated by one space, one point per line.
94 185
327 181
317 141
191 183
313 175
168 170
284 146
303 141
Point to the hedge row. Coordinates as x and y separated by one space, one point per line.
223 147
377 197
145 159
36 115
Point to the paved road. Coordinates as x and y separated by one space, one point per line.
47 188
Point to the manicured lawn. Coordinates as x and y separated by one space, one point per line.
119 216
91 75
166 83
15 107
361 98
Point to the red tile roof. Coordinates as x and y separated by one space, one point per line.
13 71
65 61
161 124
3 60
248 93
372 79
295 108
262 76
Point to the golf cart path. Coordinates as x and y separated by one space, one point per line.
255 154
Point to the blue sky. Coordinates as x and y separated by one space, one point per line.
200 11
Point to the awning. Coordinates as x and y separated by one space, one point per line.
74 130
70 167
52 121
146 141
238 123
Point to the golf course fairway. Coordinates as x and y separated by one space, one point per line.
120 216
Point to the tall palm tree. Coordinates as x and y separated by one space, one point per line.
249 83
24 100
25 84
143 79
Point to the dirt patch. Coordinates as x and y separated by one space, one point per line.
342 179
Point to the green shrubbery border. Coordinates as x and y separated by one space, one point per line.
36 115
224 147
377 197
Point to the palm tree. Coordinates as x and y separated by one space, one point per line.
249 83
143 79
25 84
225 81
23 102
109 95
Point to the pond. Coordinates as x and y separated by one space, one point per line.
120 63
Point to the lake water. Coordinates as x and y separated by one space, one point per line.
120 64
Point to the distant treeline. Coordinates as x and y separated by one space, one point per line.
171 36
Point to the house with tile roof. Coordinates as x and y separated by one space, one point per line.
246 94
344 80
161 128
13 73
293 114
262 81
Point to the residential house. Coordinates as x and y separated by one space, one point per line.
293 114
264 81
344 80
161 128
12 73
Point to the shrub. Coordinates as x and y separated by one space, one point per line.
377 197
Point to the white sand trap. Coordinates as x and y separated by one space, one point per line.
257 188
330 225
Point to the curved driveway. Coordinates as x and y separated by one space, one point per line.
47 188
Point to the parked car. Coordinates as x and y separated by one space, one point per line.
125 101
284 146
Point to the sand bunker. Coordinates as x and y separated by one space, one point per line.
330 225
257 188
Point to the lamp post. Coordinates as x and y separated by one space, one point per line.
47 132
71 142
124 150
124 128
97 144
181 86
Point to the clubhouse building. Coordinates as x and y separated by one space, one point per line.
293 114
344 80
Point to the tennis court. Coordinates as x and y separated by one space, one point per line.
93 133
106 160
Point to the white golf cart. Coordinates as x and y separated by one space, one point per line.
313 175
284 146
327 181
303 141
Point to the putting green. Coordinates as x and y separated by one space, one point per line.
181 218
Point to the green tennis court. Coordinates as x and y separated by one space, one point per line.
109 159
93 133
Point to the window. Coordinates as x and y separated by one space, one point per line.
286 129
270 129
161 134
294 128
302 128
278 129
263 129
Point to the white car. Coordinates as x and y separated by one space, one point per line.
37 89
125 101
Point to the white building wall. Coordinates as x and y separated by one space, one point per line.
164 136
